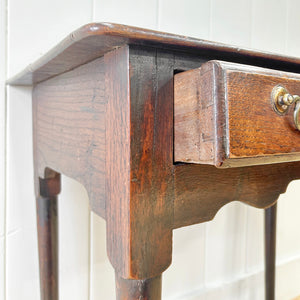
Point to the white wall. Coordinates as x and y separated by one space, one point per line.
222 259
2 146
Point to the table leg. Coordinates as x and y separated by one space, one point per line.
270 251
147 289
47 226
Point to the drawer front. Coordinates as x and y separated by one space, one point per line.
224 116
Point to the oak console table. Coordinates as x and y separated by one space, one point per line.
162 130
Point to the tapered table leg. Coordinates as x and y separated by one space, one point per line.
270 251
147 289
47 226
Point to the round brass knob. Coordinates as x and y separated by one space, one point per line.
281 100
287 99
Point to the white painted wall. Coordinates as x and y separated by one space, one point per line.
2 145
222 259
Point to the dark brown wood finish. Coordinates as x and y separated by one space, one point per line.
201 190
152 188
148 289
118 159
270 251
69 128
108 122
47 225
140 190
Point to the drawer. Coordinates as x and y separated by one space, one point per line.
233 115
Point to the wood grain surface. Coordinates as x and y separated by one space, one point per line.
109 124
201 190
224 116
140 124
118 159
152 181
69 128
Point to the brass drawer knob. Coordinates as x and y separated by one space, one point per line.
282 100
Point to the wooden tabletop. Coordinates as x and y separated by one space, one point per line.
95 39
